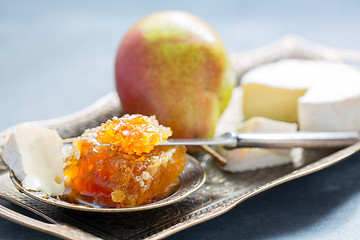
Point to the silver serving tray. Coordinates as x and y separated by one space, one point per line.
221 192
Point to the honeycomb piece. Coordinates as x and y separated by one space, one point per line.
133 134
105 176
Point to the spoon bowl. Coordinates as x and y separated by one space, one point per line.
191 179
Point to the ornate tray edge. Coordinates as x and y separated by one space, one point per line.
226 205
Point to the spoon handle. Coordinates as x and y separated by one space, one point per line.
298 139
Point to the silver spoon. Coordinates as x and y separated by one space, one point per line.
274 140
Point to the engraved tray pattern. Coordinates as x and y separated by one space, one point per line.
221 191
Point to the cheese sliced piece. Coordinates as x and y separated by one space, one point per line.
320 96
232 116
245 159
261 124
34 155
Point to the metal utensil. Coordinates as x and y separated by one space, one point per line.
275 140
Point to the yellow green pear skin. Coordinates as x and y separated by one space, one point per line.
173 65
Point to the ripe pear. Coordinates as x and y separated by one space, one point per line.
174 66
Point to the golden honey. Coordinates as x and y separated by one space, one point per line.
130 170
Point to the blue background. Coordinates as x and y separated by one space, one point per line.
57 57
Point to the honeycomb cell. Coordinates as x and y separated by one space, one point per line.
133 134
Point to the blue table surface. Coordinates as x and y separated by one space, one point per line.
57 57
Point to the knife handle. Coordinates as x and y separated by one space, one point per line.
298 139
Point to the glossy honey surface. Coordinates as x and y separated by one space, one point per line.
107 176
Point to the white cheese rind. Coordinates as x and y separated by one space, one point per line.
298 74
335 116
34 155
245 159
340 113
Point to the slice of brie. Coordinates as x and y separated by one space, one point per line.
34 155
320 96
245 159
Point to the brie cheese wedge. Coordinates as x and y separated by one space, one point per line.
34 155
245 159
